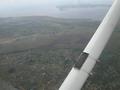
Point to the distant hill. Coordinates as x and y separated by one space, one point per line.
24 31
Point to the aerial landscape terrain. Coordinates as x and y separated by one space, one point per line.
37 52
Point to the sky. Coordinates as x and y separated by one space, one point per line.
38 7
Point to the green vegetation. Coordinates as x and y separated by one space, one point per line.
36 53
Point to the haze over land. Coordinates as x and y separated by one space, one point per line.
13 8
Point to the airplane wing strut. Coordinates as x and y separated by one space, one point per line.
83 67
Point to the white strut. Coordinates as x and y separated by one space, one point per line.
79 73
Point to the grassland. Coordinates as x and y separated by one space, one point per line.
36 53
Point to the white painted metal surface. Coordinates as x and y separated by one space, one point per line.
77 77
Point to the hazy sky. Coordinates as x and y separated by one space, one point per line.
50 2
36 7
